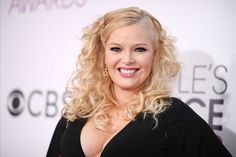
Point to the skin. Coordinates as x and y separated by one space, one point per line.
129 55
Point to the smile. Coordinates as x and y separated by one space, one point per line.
128 71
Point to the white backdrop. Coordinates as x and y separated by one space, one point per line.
40 41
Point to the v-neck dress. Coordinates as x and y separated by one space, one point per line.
180 132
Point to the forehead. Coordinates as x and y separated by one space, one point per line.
131 33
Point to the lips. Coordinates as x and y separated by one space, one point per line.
128 71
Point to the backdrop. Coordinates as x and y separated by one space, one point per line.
41 39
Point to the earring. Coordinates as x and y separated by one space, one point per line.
105 72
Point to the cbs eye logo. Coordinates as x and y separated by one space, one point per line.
15 103
37 103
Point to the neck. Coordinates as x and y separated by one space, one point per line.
124 96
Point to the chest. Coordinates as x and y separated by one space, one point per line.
137 138
94 140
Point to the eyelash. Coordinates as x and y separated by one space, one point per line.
115 49
138 49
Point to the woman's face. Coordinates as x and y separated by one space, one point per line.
129 57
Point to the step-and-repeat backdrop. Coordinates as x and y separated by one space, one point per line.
40 41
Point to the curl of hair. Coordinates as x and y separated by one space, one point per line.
90 94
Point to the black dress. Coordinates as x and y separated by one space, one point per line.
180 133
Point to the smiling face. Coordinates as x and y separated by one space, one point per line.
129 57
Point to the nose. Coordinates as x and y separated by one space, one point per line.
127 57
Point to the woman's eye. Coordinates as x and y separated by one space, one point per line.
115 49
140 49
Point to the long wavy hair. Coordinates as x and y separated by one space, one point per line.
90 94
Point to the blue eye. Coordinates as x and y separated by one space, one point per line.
115 49
140 49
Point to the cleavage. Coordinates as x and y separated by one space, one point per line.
93 141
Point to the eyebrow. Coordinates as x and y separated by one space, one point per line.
119 44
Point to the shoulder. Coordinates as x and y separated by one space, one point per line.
61 125
180 118
180 110
62 122
54 147
178 104
188 134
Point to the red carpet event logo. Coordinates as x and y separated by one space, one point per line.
22 6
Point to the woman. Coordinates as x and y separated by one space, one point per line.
119 100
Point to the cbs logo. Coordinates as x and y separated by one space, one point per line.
37 103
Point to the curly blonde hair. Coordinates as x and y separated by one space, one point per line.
91 94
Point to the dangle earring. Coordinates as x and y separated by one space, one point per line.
105 72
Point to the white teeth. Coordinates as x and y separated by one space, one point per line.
127 71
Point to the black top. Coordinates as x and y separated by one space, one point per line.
180 133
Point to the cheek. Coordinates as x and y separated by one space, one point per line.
148 63
148 68
110 60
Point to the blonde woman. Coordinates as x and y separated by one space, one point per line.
118 100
